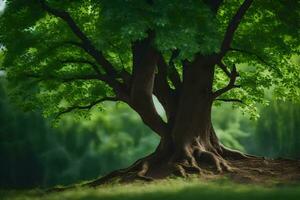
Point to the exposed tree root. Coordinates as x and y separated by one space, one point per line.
235 155
125 175
213 159
184 169
204 163
154 166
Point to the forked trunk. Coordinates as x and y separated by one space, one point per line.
190 145
192 141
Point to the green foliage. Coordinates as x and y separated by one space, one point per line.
269 38
36 43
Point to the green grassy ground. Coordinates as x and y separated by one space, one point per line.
168 190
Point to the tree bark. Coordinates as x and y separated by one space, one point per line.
193 118
191 145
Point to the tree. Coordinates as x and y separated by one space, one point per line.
62 57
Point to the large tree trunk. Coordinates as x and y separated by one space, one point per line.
193 142
193 119
190 145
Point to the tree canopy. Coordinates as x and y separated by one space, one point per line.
63 56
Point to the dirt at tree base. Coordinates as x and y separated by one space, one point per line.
254 170
259 171
262 171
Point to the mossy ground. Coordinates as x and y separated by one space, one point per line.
171 189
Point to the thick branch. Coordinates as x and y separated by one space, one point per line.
233 25
86 107
233 75
145 58
86 43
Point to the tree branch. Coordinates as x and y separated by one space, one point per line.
118 87
233 75
143 71
258 57
231 100
224 68
233 25
145 59
86 43
86 107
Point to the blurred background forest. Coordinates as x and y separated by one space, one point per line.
34 153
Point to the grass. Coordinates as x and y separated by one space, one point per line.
173 189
